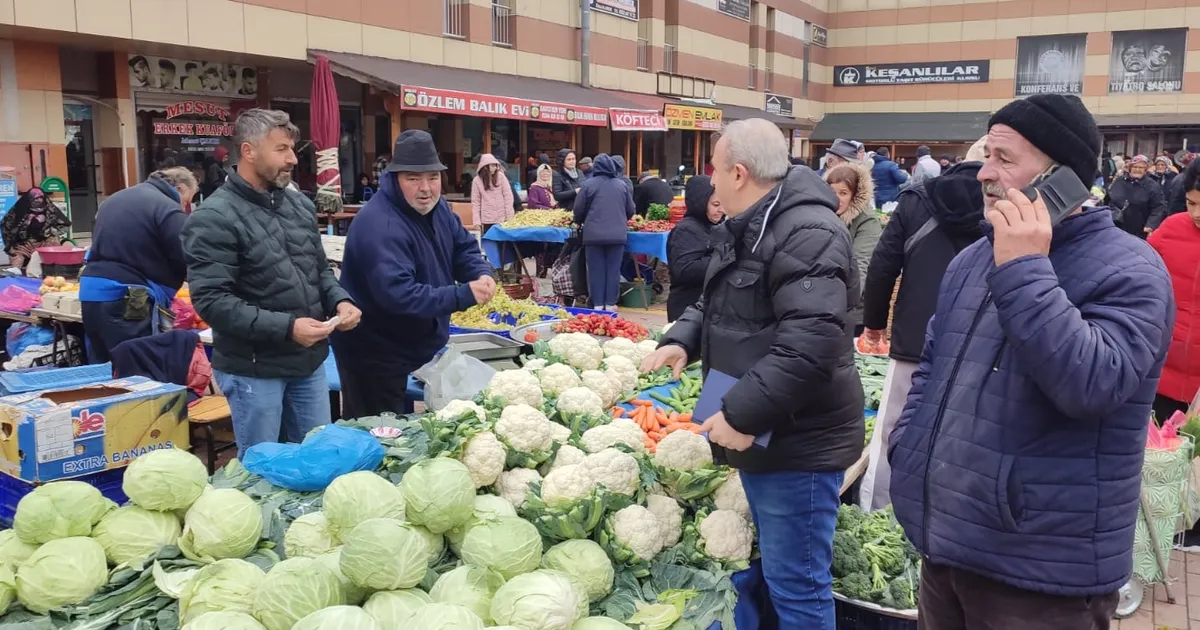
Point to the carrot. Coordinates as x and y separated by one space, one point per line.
649 442
685 417
618 412
642 403
655 435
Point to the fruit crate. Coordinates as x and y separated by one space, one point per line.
511 321
12 490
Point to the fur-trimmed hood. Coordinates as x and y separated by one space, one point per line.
864 197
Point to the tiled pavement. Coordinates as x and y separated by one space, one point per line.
1184 614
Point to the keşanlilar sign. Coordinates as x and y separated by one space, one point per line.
911 73
423 99
627 9
1147 61
1051 64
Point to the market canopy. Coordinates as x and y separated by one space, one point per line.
903 127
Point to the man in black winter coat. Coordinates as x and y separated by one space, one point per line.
775 315
933 221
651 189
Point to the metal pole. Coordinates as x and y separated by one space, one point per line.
585 43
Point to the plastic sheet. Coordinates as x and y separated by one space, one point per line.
311 466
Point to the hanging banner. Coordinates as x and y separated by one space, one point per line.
818 35
627 9
911 73
637 120
1147 61
166 74
423 99
691 117
1051 64
739 9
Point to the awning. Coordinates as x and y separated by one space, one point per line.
1149 120
903 127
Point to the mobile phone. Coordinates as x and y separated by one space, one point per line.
1061 191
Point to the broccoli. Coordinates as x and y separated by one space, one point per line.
900 594
848 556
889 557
850 518
855 586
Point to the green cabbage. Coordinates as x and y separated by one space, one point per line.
225 585
132 534
469 586
599 623
353 594
223 620
436 543
338 618
443 617
221 524
438 494
308 537
393 608
385 554
585 561
166 479
61 572
59 510
487 507
360 496
8 587
541 600
12 551
508 545
294 589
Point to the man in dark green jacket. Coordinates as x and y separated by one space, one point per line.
258 275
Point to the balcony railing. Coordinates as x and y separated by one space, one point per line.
455 24
502 23
669 58
643 54
753 84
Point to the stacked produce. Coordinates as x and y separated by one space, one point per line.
872 371
539 218
603 326
504 313
873 561
658 212
58 284
643 224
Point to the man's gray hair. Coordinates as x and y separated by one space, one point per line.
177 177
758 145
253 125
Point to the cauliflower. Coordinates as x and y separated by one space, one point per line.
556 378
683 450
536 365
484 457
726 536
646 347
527 433
456 409
670 517
624 370
514 484
581 350
623 347
559 434
632 535
615 470
566 484
566 456
516 387
607 387
569 505
580 401
619 431
732 496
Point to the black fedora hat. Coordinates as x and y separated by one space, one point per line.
415 153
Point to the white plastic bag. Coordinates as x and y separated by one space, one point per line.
453 376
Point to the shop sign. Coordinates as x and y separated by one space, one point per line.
197 108
1051 64
818 35
690 117
637 120
1147 61
422 99
779 105
739 9
168 74
163 128
911 73
627 9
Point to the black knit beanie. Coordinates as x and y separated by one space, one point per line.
1060 126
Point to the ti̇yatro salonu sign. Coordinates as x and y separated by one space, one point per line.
911 73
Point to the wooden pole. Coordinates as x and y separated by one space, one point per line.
394 116
628 147
696 153
638 172
524 150
487 135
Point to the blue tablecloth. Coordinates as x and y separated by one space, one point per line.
652 244
648 243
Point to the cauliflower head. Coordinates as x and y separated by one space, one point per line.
536 365
727 536
513 485
580 401
619 431
524 428
567 483
484 457
670 517
559 434
638 529
624 370
581 350
516 387
566 456
683 450
732 496
456 409
606 386
622 347
615 470
557 378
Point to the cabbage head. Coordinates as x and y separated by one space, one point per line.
167 479
61 572
360 496
58 510
224 586
393 608
585 561
352 594
437 496
444 617
294 589
599 623
8 587
308 537
436 543
383 554
487 506
221 524
508 545
223 620
132 534
541 600
12 551
338 618
469 586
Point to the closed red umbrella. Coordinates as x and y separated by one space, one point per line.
326 122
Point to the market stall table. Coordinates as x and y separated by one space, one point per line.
652 244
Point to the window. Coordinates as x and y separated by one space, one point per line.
769 73
753 84
502 22
456 18
643 45
669 58
804 79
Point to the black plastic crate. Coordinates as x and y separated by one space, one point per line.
851 616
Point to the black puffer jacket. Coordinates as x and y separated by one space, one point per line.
776 314
564 184
1139 202
255 265
688 252
954 201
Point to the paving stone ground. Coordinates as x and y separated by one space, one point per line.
1157 613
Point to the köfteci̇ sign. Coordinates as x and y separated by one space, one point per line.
637 120
423 99
975 71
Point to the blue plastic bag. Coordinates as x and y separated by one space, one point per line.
21 336
323 457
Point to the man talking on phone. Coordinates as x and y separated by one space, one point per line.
1016 464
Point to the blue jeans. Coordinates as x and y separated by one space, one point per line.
261 407
795 513
604 273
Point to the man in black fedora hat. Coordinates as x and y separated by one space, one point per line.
409 264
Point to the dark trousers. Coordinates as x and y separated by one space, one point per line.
953 599
604 273
105 325
1165 407
366 393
